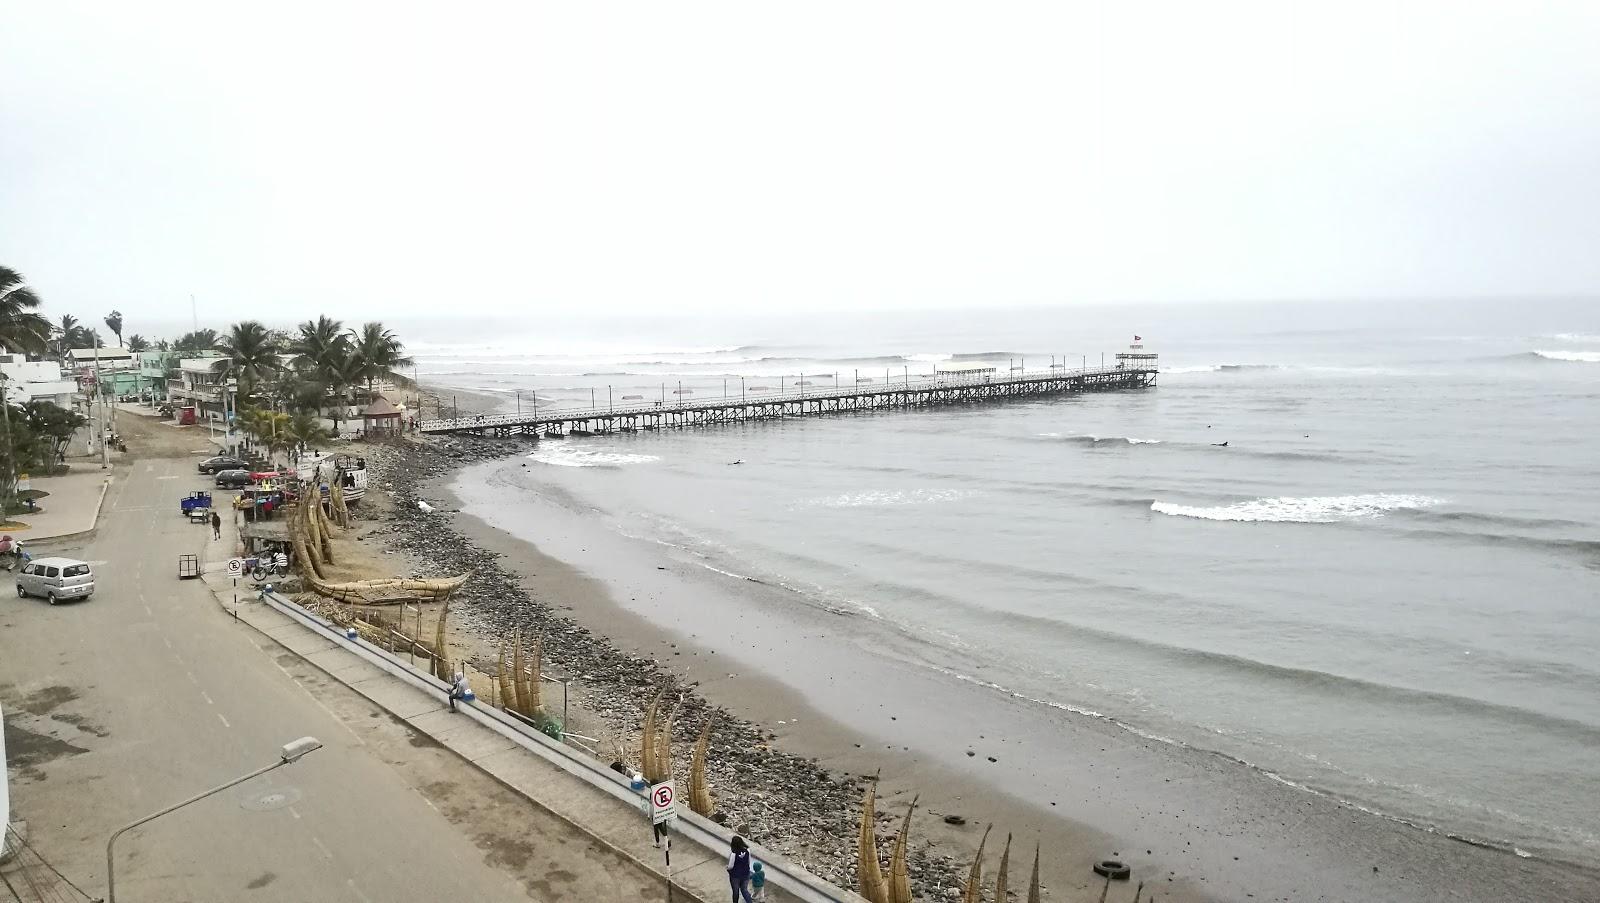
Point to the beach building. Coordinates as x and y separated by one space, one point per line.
382 418
159 371
27 381
202 385
117 369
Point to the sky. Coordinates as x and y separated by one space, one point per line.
528 160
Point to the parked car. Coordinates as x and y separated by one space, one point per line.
56 579
220 463
233 479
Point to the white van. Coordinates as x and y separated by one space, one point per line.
56 579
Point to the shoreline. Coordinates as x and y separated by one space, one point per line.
1314 846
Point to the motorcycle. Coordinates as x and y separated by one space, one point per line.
16 557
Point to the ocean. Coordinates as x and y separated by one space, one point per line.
1354 545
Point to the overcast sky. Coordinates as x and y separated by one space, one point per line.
374 160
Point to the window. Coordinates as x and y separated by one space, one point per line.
52 572
31 569
76 570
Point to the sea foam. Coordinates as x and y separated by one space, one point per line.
1321 509
568 455
1578 357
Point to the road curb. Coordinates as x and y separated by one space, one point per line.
793 881
105 486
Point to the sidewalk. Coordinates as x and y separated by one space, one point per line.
569 790
72 507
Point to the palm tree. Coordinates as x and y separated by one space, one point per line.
114 321
137 343
379 355
162 345
305 431
22 327
69 335
319 345
252 356
199 340
268 428
322 354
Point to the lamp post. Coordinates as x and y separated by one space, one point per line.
230 409
291 752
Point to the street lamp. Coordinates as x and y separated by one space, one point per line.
291 752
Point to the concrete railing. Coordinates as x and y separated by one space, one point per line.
782 873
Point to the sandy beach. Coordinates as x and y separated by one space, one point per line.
1194 825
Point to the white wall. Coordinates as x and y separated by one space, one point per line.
5 793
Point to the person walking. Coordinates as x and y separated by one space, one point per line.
739 869
758 882
216 525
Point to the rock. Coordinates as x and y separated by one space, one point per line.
954 820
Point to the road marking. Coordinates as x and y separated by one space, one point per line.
167 641
207 698
325 851
169 478
222 719
351 883
149 612
177 658
294 813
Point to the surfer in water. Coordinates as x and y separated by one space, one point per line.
740 461
1220 444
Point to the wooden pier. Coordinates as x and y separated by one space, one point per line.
1132 372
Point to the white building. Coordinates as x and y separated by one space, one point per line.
26 381
86 359
202 384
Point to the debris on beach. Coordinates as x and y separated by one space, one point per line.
790 804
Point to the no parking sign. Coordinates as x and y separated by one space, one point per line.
663 802
235 567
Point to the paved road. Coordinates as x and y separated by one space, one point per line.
146 694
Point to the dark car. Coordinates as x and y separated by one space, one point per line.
221 463
233 479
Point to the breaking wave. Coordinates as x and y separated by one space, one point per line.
1573 357
1090 439
1323 509
566 454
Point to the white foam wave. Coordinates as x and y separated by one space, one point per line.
1308 510
1096 440
1210 368
1575 337
566 454
885 498
1581 357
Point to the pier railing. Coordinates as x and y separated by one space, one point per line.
984 385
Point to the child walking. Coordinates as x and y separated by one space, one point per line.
758 883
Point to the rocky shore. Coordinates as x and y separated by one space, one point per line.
783 801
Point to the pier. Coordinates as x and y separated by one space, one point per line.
1132 371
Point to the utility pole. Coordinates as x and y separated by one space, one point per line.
100 429
11 448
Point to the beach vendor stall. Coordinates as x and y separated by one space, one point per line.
267 493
